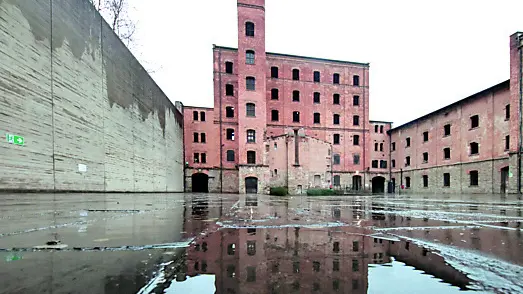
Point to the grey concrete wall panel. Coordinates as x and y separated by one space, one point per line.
92 117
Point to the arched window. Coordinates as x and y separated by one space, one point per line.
249 57
275 94
336 119
249 29
251 109
296 74
251 136
296 96
195 115
229 111
250 83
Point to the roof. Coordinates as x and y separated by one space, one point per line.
199 107
502 85
380 122
301 57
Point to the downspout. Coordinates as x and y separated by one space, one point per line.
364 138
221 110
390 159
520 141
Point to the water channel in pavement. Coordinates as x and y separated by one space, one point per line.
212 243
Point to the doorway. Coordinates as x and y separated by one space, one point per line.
251 185
378 185
200 183
356 183
504 179
317 181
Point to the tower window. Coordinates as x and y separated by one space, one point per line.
229 90
249 29
296 96
507 112
228 67
316 98
251 109
446 130
425 181
474 148
251 157
275 115
230 134
336 119
356 80
202 116
376 128
195 137
251 136
474 121
203 157
316 76
381 129
356 100
446 153
250 83
296 74
336 159
474 177
195 115
230 155
425 157
274 72
296 116
356 120
203 138
336 99
229 111
356 140
249 57
336 139
407 161
507 142
425 136
407 142
316 118
275 94
393 146
336 78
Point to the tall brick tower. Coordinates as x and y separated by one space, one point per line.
253 171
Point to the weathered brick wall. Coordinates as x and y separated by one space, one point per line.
79 97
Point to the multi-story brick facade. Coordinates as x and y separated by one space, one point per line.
262 99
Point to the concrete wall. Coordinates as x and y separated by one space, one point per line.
77 95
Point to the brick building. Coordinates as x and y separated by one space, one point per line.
281 120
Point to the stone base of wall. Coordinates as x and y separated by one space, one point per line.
229 180
489 180
260 172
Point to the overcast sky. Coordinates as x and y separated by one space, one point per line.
423 55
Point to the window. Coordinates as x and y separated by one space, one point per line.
336 99
381 147
250 83
474 148
316 118
249 29
383 164
376 146
336 139
230 134
316 76
195 137
474 121
507 112
407 161
356 80
381 129
336 159
356 159
316 98
251 136
275 115
203 158
355 246
275 172
335 265
202 116
407 142
355 265
356 120
356 140
355 284
230 155
275 94
446 180
393 146
407 182
274 72
229 111
336 119
249 57
474 175
375 164
336 247
228 67
446 130
195 115
507 143
296 74
393 163
446 153
251 157
356 100
425 157
229 90
336 78
196 157
337 181
376 128
316 266
425 181
296 116
251 273
251 109
296 96
425 136
203 138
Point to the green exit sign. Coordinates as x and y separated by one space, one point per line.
15 139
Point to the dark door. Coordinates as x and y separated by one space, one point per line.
378 185
200 183
356 183
251 185
504 179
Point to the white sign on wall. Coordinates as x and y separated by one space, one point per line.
82 168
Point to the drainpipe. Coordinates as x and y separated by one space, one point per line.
401 180
364 137
221 110
520 141
390 159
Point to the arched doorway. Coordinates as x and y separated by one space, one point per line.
200 183
356 183
251 185
378 185
504 179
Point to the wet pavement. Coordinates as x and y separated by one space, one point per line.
209 243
